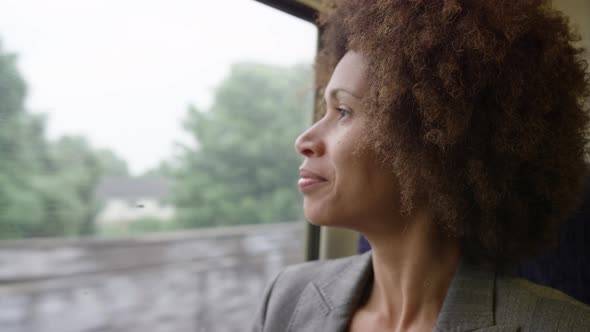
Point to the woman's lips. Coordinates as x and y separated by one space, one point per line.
308 180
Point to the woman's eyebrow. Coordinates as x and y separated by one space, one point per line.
334 92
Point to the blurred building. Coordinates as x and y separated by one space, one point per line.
127 199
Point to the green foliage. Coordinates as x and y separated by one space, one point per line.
164 169
79 168
244 167
12 87
46 188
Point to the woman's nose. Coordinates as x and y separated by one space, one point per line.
309 144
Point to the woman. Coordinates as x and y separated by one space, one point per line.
453 138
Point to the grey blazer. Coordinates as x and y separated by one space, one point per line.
322 296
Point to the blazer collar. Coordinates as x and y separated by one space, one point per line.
328 305
469 303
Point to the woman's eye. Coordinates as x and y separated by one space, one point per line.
342 112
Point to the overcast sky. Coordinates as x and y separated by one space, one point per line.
122 72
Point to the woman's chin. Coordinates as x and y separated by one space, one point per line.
316 218
322 219
317 223
322 213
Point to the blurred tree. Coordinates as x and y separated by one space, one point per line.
79 169
16 187
163 169
243 168
46 188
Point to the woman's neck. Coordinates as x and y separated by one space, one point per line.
413 268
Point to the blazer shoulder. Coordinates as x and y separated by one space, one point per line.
539 307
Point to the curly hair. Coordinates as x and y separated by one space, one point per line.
478 107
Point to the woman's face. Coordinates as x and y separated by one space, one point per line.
339 178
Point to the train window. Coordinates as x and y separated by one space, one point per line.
148 175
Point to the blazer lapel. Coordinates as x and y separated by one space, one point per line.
327 305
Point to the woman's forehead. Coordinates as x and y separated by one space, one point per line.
350 75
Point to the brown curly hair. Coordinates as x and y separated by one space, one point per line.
478 107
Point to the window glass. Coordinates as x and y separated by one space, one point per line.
147 174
